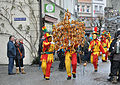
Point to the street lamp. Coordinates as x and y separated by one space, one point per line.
40 25
40 20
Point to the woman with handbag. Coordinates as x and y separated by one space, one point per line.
19 57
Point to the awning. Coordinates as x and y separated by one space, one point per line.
50 18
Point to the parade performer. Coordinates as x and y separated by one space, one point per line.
69 34
47 56
71 58
109 39
95 47
105 44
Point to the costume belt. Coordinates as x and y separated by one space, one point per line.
48 52
105 47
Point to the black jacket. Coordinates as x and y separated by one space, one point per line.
115 56
17 51
22 50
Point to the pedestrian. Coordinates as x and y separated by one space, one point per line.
11 53
111 56
86 53
22 56
116 58
61 55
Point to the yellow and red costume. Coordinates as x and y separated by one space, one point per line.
47 57
109 39
71 58
105 44
95 47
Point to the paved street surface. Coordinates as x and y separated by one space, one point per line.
34 76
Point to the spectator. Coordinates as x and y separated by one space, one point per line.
115 58
22 56
11 53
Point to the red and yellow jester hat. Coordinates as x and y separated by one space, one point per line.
95 31
104 32
109 35
46 35
44 29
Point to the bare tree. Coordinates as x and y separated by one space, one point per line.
7 13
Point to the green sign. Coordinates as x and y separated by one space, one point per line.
49 8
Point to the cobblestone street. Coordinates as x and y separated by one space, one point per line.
34 76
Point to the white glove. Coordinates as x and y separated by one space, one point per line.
103 55
112 47
100 52
89 49
108 49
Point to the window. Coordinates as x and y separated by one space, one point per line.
88 9
98 0
60 2
78 7
96 8
83 8
101 8
54 1
51 0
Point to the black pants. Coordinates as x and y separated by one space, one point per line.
19 62
115 68
62 62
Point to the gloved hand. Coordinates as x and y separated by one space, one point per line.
103 55
89 49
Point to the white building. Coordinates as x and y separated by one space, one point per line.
89 10
98 7
84 8
28 21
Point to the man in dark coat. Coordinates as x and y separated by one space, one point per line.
115 52
11 53
111 56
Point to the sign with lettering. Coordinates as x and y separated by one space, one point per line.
19 19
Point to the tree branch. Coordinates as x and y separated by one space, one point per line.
34 20
15 29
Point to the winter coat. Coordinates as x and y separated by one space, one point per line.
17 51
116 56
11 50
22 50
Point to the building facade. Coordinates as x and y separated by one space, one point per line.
25 19
112 16
89 10
98 7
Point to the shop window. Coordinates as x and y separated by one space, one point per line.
88 9
83 8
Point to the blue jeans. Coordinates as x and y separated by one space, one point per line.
10 65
